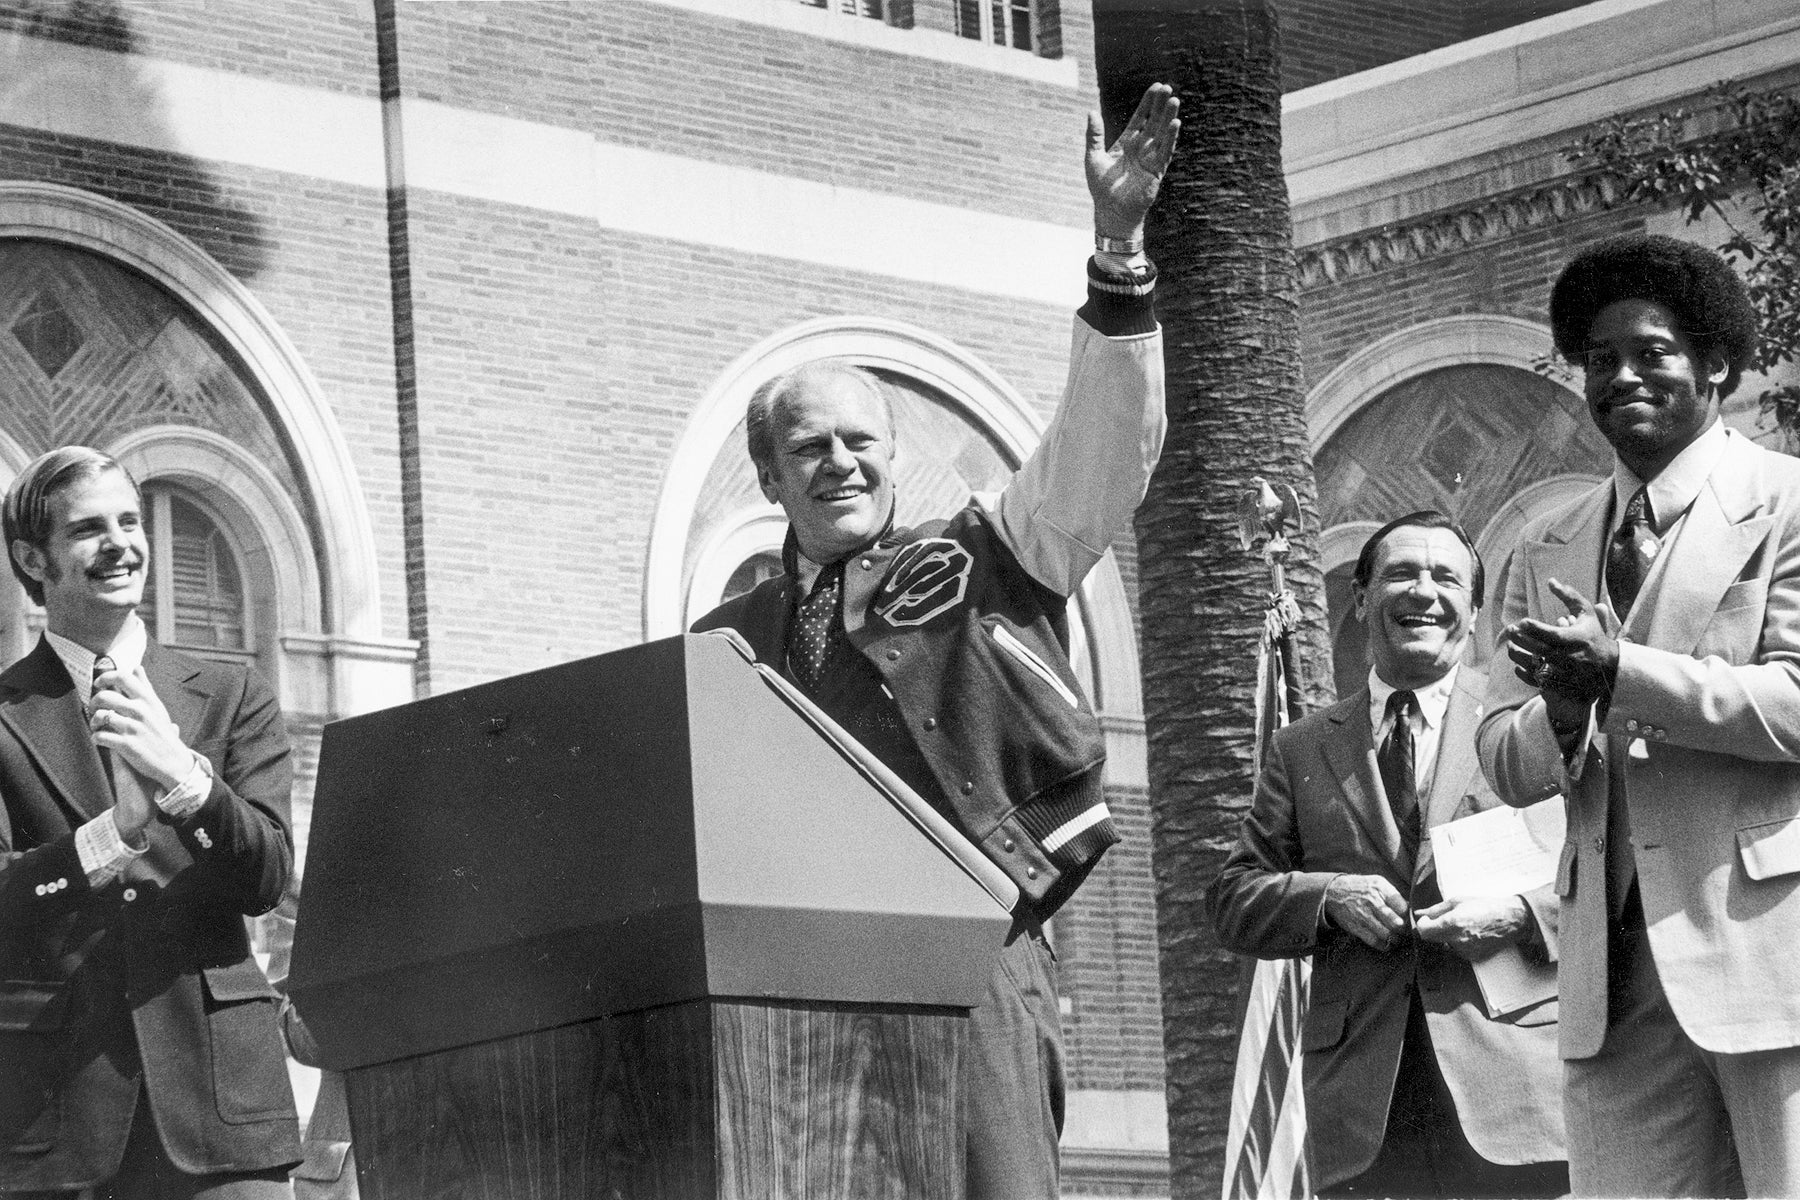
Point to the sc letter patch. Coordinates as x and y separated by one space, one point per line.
930 577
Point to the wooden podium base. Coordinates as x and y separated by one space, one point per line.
709 1099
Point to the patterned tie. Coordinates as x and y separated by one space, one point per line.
1630 553
118 773
1395 759
1629 556
818 628
102 665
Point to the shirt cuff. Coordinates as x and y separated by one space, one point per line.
185 798
102 851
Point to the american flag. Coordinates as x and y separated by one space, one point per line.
1265 1144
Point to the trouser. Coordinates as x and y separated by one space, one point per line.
1653 1114
1012 1076
1424 1152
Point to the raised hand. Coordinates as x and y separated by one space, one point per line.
1125 177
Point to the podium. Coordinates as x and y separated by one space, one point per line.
643 925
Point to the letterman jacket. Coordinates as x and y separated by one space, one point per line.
965 688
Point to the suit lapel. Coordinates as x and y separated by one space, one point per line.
1456 761
1349 750
45 714
172 680
1722 530
1571 551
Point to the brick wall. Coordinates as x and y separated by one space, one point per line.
659 78
1510 277
512 426
1328 39
315 43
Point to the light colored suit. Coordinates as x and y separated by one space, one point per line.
1320 811
1705 718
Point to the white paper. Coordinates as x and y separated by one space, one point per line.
1503 852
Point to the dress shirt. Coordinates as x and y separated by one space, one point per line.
1427 722
1671 494
103 852
1675 487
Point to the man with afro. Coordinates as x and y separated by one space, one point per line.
1654 629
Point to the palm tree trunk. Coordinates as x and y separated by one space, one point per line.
1221 239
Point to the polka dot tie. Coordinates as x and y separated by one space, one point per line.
818 627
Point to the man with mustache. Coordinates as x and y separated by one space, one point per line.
143 816
944 649
1411 1088
1654 627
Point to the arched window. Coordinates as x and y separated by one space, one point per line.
195 597
760 567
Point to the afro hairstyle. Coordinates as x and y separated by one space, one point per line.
1711 306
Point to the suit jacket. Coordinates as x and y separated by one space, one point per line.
1704 723
146 984
1320 811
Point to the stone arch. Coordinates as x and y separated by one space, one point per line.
1107 653
1485 437
15 636
1444 342
335 634
257 515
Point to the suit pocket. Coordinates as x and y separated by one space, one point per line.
1734 630
1770 849
1324 1025
250 1079
33 1017
1025 657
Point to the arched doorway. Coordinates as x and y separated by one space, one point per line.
1478 441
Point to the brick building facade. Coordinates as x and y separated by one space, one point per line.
434 322
448 313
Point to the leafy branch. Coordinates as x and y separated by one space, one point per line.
1700 161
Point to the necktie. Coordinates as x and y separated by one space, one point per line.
1630 553
102 665
1395 759
818 628
1629 556
118 773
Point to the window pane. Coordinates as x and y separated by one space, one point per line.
968 18
752 571
1021 24
208 588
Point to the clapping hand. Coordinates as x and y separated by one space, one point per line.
129 719
1574 661
1125 177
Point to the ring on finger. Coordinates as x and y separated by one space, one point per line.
1542 673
